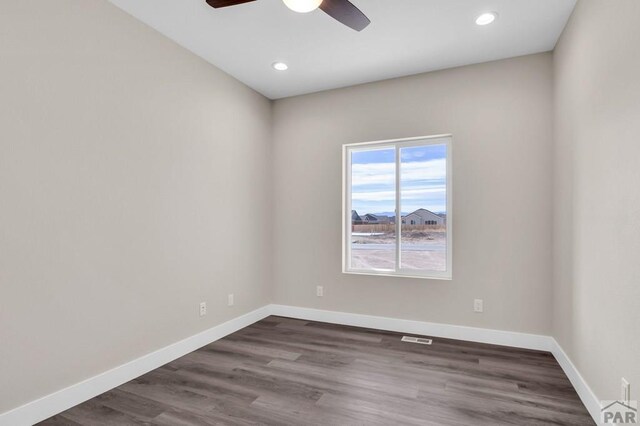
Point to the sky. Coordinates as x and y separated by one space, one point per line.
422 179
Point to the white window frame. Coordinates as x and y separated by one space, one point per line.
396 144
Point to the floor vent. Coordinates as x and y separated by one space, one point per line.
419 340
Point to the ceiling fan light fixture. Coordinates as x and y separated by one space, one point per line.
302 6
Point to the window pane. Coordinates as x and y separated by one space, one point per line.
373 235
423 203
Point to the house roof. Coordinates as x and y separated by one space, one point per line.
375 216
429 212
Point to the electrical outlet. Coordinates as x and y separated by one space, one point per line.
230 300
625 390
319 291
478 305
203 309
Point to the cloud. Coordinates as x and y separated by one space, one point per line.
407 194
384 173
423 186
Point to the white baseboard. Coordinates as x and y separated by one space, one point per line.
66 398
472 334
589 399
459 332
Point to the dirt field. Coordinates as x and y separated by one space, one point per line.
385 259
423 247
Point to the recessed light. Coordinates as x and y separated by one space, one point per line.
280 66
486 18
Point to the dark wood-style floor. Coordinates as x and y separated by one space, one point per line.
282 371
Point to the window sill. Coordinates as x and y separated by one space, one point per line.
443 277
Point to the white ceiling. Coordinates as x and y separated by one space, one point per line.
405 37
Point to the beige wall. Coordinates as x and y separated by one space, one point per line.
123 158
500 116
597 198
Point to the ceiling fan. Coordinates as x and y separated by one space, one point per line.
341 10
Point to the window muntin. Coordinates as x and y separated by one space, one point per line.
412 176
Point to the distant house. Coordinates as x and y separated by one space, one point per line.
355 218
423 217
373 219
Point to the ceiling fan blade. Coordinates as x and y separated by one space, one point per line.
345 12
225 3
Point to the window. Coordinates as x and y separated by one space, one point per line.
407 182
